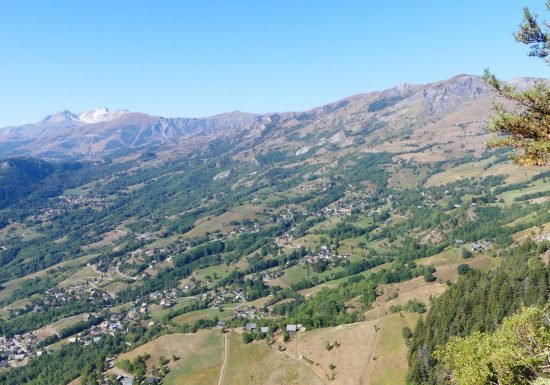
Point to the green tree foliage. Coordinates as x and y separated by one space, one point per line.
526 127
137 366
65 364
478 302
463 268
515 354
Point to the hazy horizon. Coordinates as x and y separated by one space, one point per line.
197 60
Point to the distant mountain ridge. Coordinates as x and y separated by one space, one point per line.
376 116
100 130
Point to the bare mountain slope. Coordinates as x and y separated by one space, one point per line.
403 119
425 123
92 132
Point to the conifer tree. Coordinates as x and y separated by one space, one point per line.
524 121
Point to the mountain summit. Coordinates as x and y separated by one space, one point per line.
100 115
410 113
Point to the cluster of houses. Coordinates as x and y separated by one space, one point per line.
225 235
267 276
220 296
59 297
290 328
475 247
165 298
15 351
326 253
251 312
480 246
60 205
285 239
124 380
193 284
252 327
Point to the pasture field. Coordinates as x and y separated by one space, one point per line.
535 187
65 323
257 363
86 273
463 171
532 232
448 260
511 172
10 286
222 222
200 356
209 313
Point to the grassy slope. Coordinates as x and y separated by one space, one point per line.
201 355
257 363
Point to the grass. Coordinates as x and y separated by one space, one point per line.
65 323
335 282
221 222
209 313
115 287
298 273
20 303
448 260
390 366
158 312
257 363
200 356
514 173
535 187
351 358
463 171
85 273
312 241
452 255
291 275
531 232
108 238
10 286
403 178
415 288
511 172
220 271
528 218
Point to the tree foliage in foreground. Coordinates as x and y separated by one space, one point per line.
517 353
526 126
478 302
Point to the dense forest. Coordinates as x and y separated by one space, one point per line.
478 302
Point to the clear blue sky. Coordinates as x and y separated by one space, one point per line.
197 58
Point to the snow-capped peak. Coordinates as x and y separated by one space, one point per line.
100 115
60 116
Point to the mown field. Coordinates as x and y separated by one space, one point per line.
200 356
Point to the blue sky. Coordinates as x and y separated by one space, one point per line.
198 58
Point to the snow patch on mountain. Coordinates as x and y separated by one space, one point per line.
102 114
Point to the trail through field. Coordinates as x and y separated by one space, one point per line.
364 375
301 360
225 355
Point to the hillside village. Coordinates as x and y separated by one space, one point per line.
146 261
300 245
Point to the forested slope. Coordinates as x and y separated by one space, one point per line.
478 302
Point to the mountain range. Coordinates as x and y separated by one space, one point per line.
403 116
